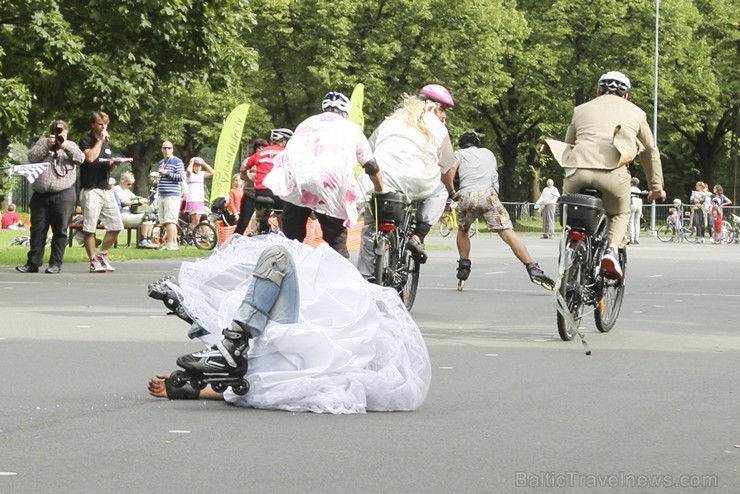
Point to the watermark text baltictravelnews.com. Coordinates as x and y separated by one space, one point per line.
616 480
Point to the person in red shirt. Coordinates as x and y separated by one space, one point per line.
233 205
261 161
11 220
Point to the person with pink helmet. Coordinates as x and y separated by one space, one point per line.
412 147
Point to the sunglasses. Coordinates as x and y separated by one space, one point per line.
166 147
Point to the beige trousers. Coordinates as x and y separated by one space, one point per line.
615 189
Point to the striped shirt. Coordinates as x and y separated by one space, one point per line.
169 183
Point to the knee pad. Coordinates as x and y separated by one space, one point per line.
272 264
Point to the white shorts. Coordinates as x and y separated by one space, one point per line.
100 205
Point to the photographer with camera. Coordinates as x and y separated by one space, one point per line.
53 199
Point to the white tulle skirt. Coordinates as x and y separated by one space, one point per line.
355 347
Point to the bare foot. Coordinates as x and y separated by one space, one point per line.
157 387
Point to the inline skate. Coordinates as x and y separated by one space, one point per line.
463 272
223 365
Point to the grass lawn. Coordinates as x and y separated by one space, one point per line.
13 255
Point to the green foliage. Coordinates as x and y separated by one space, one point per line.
174 69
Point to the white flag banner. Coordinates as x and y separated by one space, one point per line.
31 171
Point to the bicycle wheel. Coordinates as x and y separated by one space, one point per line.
410 281
383 260
666 233
727 232
689 233
445 223
473 232
204 236
571 287
610 296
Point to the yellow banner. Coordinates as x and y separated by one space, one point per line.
356 100
229 144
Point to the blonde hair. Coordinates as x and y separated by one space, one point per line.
127 178
412 109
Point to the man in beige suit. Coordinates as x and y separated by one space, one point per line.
604 136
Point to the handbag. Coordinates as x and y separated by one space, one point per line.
137 207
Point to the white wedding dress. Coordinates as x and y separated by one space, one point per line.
354 348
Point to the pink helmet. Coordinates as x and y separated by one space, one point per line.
438 93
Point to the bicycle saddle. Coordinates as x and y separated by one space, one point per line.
263 202
589 191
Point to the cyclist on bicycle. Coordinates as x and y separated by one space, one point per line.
478 196
262 162
315 173
604 136
413 149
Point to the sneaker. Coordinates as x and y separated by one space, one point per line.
27 268
105 262
53 269
417 248
538 277
169 246
610 266
96 265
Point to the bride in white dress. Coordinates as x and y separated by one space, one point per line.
354 347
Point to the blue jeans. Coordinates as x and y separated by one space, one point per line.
268 300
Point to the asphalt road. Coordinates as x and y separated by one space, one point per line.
655 408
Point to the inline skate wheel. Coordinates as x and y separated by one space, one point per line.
241 388
198 384
178 379
219 387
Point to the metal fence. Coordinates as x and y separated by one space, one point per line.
525 218
528 220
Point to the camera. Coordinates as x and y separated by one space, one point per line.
59 138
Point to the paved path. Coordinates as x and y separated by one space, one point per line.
511 408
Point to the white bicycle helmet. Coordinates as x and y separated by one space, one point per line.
614 83
277 135
337 102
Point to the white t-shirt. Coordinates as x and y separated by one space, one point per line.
317 168
478 170
410 162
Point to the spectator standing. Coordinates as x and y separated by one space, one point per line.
11 220
719 193
248 175
717 219
53 198
196 174
171 175
546 204
234 200
635 211
701 200
96 197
